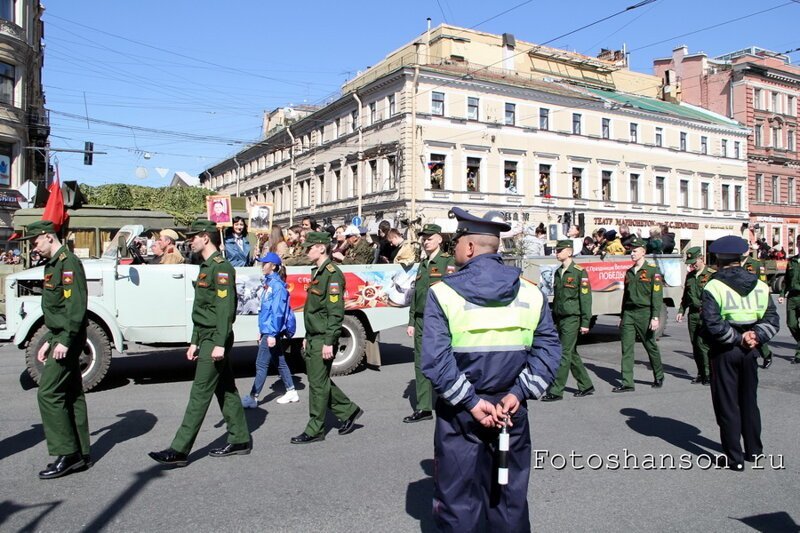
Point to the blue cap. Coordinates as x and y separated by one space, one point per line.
271 257
729 245
474 225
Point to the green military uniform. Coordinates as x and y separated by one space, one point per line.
323 314
572 310
691 304
754 266
213 315
61 400
296 256
641 302
791 291
362 253
430 271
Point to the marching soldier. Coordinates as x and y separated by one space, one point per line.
323 315
572 313
489 345
60 396
641 308
212 339
756 267
738 316
431 269
696 279
791 295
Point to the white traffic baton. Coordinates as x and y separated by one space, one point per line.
502 457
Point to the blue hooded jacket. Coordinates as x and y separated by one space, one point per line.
486 281
237 257
274 299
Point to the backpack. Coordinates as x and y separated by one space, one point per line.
289 322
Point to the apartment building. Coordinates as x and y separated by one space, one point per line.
542 135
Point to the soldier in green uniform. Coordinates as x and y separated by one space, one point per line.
431 269
754 266
359 251
323 315
60 396
572 313
791 295
691 302
212 339
641 308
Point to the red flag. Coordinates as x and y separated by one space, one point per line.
54 210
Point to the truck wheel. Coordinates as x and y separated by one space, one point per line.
352 346
662 322
777 283
94 361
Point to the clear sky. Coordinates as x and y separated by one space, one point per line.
201 73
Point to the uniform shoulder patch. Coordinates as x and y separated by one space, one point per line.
62 256
578 267
651 264
330 268
445 254
219 259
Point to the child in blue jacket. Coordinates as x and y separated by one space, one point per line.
271 318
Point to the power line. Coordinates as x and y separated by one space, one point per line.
444 18
629 8
737 19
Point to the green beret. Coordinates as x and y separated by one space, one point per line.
638 243
563 244
201 226
317 237
692 254
430 229
39 227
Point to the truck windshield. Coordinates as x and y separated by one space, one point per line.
111 249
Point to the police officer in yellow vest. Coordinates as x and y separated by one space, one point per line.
489 344
738 317
61 400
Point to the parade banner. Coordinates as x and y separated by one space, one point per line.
365 289
607 276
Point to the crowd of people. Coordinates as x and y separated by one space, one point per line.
533 241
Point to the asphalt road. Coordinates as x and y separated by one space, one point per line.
378 477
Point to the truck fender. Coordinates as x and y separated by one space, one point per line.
105 319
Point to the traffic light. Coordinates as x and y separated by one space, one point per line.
88 152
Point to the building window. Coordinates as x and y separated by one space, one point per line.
634 132
659 136
606 128
437 104
605 185
436 167
321 190
792 239
374 175
510 177
391 162
373 113
661 190
7 10
737 197
758 140
776 189
757 99
336 128
576 123
725 198
737 149
704 196
353 181
577 182
634 188
7 83
337 176
703 145
776 137
544 181
320 136
684 190
354 120
473 111
775 102
6 153
792 106
511 114
790 140
683 141
724 148
759 187
392 105
544 119
473 174
791 191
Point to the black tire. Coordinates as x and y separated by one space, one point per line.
352 347
777 283
95 359
662 322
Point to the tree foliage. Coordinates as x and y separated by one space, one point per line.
184 203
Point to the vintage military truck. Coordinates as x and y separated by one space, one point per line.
135 303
